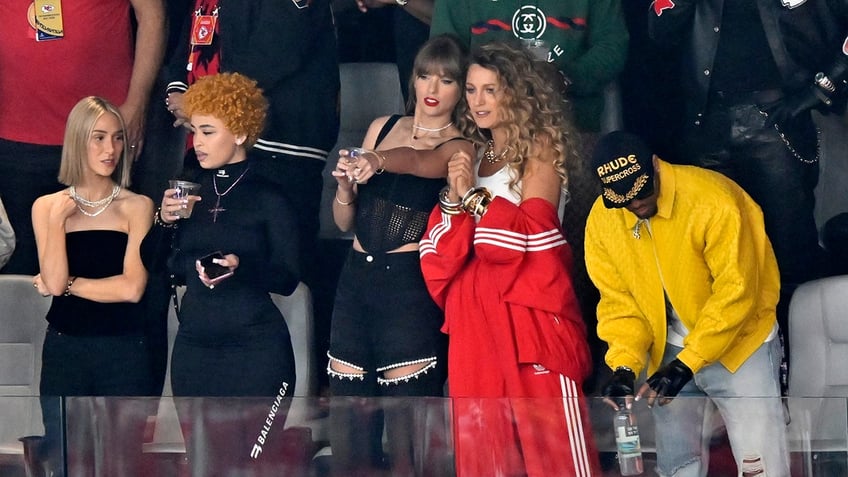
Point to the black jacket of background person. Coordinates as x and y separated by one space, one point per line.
289 48
817 35
695 25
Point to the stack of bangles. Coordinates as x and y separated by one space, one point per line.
475 202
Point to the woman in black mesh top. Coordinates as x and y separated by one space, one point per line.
385 338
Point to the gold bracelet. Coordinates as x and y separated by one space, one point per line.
448 207
476 201
473 205
344 203
482 206
383 160
471 191
450 210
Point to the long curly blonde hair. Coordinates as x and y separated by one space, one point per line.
532 109
233 98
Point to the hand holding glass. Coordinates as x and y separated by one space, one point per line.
353 155
188 191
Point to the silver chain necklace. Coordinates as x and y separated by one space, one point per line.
102 203
218 207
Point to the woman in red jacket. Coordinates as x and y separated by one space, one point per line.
495 258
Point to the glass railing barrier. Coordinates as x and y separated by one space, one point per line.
314 437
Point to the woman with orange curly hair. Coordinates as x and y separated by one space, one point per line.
231 340
238 244
496 260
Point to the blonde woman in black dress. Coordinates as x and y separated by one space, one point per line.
88 237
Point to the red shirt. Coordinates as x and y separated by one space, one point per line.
41 81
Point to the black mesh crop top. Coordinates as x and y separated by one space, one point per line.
392 209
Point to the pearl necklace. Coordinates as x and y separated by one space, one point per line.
416 126
490 155
218 207
102 203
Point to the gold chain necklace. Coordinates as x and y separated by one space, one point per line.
490 155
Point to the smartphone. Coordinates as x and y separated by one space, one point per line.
214 271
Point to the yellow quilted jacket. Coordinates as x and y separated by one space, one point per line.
707 246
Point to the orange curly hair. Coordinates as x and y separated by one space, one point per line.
233 98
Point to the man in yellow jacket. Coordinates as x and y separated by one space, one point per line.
689 285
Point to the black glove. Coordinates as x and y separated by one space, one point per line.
620 385
787 108
670 379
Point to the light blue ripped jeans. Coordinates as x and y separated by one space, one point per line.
749 402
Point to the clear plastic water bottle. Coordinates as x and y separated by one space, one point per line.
627 442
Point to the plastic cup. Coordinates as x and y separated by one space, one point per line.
184 189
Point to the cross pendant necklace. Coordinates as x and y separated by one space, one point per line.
217 209
214 211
